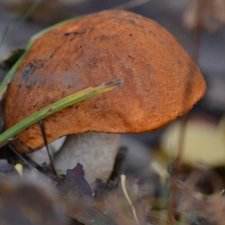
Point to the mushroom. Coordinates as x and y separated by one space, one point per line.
160 81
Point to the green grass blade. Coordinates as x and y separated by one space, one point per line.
9 75
56 106
7 33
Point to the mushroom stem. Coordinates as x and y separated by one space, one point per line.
95 151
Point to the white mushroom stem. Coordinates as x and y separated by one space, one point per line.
95 151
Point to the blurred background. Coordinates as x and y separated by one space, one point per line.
199 26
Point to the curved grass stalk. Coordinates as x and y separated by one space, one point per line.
56 106
9 75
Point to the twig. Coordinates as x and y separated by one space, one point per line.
176 169
41 124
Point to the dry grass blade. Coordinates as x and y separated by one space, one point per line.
123 185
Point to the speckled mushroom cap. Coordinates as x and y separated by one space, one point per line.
160 81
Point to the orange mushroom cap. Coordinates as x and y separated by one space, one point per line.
160 80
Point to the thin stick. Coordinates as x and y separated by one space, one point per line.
20 156
202 7
176 168
41 124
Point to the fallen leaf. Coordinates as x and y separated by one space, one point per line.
78 197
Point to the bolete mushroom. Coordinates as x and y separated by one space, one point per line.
160 80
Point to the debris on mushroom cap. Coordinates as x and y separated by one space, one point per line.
161 81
